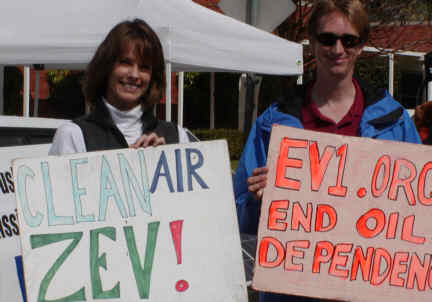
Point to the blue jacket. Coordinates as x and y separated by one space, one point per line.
383 118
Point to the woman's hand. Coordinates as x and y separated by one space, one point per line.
147 140
257 181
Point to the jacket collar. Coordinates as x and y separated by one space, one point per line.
100 114
292 100
371 95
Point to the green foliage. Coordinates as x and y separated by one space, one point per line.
374 70
234 138
190 78
234 164
400 11
65 93
55 77
197 101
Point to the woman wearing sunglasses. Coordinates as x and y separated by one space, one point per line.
334 102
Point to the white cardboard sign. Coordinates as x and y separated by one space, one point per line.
10 252
155 224
346 218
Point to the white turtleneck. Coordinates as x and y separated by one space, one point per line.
128 122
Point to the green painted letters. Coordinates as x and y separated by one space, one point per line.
96 262
142 274
37 241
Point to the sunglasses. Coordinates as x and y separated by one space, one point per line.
347 40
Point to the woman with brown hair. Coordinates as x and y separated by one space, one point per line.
123 81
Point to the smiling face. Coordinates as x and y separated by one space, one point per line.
336 61
128 81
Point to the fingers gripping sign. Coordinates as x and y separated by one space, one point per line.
257 182
147 140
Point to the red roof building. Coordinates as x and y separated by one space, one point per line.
211 4
410 37
416 37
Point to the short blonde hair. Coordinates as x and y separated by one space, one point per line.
353 10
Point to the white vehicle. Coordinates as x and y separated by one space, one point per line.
19 131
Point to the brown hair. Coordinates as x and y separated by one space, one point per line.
353 10
138 34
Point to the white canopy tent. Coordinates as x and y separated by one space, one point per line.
65 34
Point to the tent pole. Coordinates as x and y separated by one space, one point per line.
251 82
26 94
251 18
180 98
168 92
212 100
428 71
256 97
36 99
241 101
429 92
391 73
2 102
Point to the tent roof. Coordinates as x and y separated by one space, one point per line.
66 33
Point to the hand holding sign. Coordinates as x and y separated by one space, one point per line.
154 224
345 218
257 182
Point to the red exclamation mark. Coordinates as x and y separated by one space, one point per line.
176 233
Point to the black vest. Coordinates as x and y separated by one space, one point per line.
100 132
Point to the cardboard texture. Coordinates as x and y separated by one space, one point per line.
345 218
11 289
154 224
